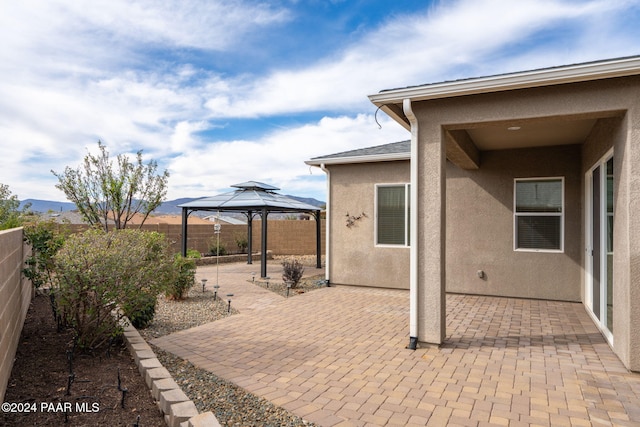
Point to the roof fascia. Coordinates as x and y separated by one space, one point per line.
527 79
360 159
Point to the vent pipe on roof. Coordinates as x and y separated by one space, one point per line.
413 220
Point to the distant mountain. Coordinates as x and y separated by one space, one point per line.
309 200
170 207
45 206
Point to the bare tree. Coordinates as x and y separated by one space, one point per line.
103 191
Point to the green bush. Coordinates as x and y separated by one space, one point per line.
99 277
217 248
145 309
45 241
292 271
192 253
241 241
185 278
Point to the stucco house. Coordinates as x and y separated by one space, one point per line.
509 186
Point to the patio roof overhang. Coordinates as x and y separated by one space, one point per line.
252 198
391 100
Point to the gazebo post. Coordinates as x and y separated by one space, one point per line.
263 255
184 231
249 237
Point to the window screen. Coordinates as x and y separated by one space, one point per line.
392 215
539 214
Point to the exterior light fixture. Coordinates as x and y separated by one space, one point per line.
204 282
215 292
229 307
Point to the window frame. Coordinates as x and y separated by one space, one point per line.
407 207
560 214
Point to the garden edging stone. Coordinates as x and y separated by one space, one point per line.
178 409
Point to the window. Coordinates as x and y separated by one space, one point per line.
392 214
539 214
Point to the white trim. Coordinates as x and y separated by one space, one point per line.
406 220
520 80
516 215
360 159
588 274
327 227
413 220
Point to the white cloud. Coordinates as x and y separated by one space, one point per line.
72 72
423 48
276 158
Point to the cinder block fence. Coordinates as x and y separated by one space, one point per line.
15 296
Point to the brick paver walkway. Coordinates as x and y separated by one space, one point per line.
336 356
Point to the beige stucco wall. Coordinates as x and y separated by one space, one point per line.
593 99
354 257
480 227
15 297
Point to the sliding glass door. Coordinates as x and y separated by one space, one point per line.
599 230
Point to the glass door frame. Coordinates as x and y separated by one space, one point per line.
601 318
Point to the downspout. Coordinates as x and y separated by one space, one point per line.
413 220
327 222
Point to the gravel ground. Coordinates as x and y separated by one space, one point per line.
232 405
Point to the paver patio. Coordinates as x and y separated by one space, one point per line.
336 356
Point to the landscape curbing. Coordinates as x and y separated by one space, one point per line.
177 408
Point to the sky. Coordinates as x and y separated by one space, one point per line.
222 92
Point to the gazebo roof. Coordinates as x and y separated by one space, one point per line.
250 195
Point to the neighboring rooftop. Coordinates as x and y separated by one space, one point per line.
386 152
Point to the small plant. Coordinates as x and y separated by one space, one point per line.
292 271
217 248
185 272
241 241
192 253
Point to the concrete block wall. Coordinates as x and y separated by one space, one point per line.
15 297
285 237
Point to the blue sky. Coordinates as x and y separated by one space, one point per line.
220 92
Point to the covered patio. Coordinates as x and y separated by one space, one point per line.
504 361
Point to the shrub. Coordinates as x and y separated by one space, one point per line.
45 241
185 277
217 248
242 242
99 277
292 271
141 313
192 253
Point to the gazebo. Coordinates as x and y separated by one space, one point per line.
252 198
